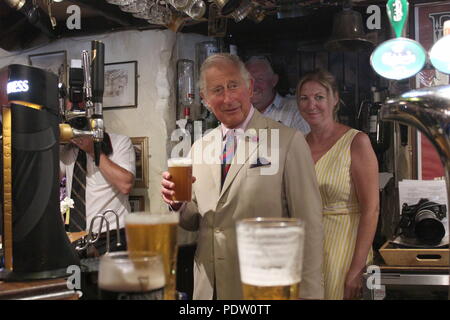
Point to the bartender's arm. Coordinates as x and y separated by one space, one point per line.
119 177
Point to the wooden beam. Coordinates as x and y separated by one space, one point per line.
95 25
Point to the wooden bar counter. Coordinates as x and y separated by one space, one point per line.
51 289
54 289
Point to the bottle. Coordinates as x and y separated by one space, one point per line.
209 120
380 132
232 46
189 127
186 85
374 123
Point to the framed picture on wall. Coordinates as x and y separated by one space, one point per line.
54 62
140 145
137 203
120 85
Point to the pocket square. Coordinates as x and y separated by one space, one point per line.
260 162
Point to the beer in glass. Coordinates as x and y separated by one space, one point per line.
156 233
181 171
123 276
270 257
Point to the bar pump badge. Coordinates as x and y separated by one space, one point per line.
398 58
439 56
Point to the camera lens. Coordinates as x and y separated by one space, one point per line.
429 229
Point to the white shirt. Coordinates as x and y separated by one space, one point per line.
100 194
240 129
285 110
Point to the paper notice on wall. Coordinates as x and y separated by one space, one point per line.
411 191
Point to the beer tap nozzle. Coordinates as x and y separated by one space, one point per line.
98 77
87 88
62 95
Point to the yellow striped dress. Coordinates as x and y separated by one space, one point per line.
340 213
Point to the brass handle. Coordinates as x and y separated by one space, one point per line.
65 132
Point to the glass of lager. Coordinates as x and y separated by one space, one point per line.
155 233
123 276
270 257
181 171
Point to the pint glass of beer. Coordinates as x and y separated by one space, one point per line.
270 257
123 276
181 171
155 233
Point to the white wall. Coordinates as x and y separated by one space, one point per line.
156 53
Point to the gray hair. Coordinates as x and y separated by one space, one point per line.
262 60
221 58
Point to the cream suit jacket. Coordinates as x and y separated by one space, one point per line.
292 191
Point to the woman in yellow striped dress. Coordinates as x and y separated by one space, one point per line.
347 172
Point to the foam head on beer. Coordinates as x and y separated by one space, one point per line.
152 218
156 233
119 272
181 171
270 257
179 162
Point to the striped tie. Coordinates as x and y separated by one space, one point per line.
228 153
78 217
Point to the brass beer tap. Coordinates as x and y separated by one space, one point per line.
93 87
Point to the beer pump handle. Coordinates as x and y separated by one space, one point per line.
87 78
98 71
62 95
98 77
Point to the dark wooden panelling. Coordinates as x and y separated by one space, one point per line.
321 60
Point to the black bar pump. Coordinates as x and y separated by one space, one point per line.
34 240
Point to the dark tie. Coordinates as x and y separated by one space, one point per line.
228 153
78 213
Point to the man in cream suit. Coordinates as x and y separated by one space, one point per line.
272 175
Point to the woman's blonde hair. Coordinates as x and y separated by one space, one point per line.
324 78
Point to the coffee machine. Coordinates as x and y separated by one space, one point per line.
34 240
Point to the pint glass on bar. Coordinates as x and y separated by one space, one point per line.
131 277
181 171
270 257
156 233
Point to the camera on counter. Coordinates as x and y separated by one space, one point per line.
423 221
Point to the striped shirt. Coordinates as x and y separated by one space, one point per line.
285 110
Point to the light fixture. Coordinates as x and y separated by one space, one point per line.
348 31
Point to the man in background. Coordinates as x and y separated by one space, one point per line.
267 101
